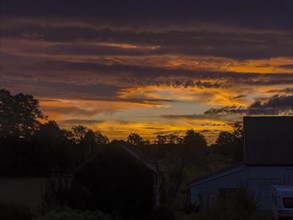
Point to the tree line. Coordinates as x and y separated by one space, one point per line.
29 146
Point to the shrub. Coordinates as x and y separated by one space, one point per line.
69 214
240 205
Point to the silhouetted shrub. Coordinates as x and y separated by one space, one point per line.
69 214
240 205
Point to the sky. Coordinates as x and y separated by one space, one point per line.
150 67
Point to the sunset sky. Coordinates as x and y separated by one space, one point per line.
150 67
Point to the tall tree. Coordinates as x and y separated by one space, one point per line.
195 145
231 143
194 138
100 138
53 149
136 139
86 141
225 142
168 139
19 115
190 154
77 133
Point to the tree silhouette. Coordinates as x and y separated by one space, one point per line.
179 159
77 133
225 142
168 139
231 143
85 142
19 115
136 139
193 138
53 150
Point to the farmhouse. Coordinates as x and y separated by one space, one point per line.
268 161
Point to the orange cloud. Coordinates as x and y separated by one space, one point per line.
273 65
209 96
65 109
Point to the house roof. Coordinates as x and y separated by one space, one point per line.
131 149
218 174
268 141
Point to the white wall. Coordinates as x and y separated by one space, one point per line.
256 178
261 179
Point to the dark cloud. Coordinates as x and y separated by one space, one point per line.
124 71
230 48
275 105
262 14
205 131
288 66
41 88
286 90
95 50
175 132
212 124
92 92
141 71
226 110
177 83
227 117
92 80
241 96
264 65
81 121
225 43
76 29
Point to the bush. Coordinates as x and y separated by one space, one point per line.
69 214
240 205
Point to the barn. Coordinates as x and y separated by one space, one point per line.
268 161
119 179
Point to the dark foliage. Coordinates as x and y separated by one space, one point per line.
19 115
31 148
136 139
46 152
230 143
